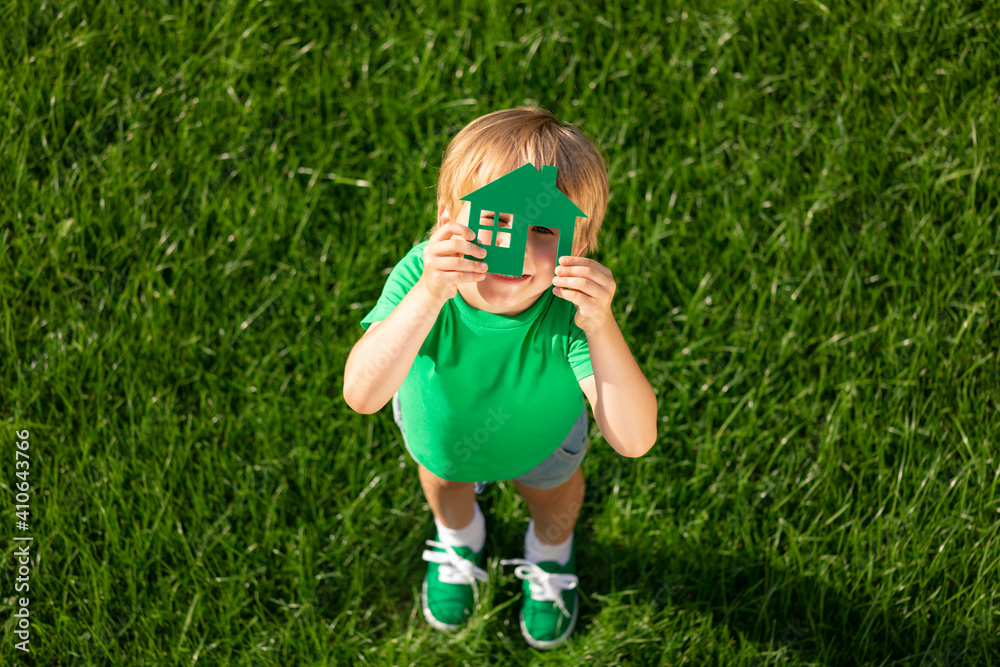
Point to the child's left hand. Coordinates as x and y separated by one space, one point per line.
590 287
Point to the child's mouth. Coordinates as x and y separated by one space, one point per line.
509 279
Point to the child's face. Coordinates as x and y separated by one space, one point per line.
503 295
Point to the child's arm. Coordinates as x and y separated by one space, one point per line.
623 401
379 362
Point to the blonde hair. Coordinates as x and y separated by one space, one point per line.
499 142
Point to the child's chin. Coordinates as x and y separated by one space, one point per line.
493 296
504 295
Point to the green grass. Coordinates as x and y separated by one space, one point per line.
199 203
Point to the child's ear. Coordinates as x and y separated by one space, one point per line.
443 216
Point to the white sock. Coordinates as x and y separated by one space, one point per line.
537 551
472 536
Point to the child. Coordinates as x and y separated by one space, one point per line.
488 373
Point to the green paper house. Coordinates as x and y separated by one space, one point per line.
531 198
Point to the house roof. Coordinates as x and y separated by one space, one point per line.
523 192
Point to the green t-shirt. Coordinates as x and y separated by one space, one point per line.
488 396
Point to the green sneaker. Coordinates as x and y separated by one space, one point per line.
549 609
450 594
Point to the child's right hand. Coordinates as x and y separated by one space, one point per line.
445 265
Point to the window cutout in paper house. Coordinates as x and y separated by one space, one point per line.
522 198
485 236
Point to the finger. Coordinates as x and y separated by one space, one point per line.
573 260
588 287
587 272
449 229
575 297
456 246
587 263
452 263
579 269
455 277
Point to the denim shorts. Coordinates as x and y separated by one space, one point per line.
550 473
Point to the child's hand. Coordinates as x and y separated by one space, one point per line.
589 286
444 263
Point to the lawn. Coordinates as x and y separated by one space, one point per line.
200 201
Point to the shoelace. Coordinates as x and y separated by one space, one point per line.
454 569
543 586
